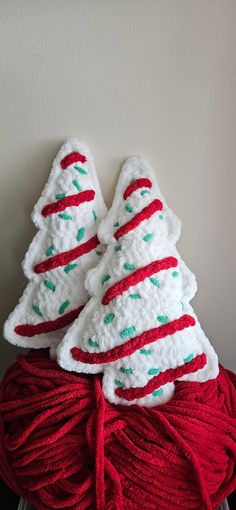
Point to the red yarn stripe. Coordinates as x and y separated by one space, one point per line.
146 213
71 158
138 276
132 345
67 256
72 200
169 375
45 327
139 183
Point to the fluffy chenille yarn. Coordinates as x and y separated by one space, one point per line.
63 446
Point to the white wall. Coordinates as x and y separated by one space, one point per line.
149 77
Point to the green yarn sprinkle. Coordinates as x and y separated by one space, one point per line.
182 306
144 191
156 393
163 319
154 371
146 352
80 170
92 343
49 250
80 234
175 273
118 247
161 216
37 310
135 296
148 237
119 383
127 332
109 318
189 358
154 281
76 184
69 268
65 216
116 224
126 371
128 266
105 278
94 216
63 307
128 208
99 253
50 285
59 196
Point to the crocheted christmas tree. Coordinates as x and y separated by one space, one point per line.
139 328
66 246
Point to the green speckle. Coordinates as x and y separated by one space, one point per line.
63 307
99 253
182 306
50 285
69 268
148 237
156 393
116 224
145 352
80 170
80 234
175 274
135 296
118 247
119 383
92 343
163 319
128 266
161 216
37 310
65 216
94 216
126 371
76 184
144 191
127 332
128 208
189 358
154 281
132 180
154 371
105 278
49 250
59 196
109 318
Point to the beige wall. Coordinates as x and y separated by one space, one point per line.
149 77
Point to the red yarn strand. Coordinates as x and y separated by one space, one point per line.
73 157
132 345
70 201
31 330
146 213
62 259
137 184
169 375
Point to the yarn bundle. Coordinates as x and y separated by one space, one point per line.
63 446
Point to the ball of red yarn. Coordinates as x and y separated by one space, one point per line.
64 447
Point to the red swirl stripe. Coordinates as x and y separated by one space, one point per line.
138 276
132 345
30 330
169 375
146 213
138 183
70 201
71 158
62 259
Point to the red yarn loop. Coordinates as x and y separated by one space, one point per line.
64 447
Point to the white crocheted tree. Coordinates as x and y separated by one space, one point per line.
66 246
139 328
